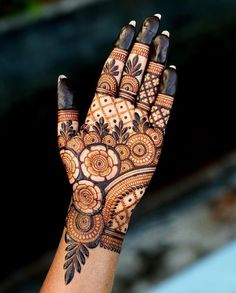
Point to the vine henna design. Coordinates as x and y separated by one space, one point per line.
111 159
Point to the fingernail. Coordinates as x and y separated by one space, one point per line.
126 36
64 93
61 77
159 49
133 23
166 33
158 15
173 66
148 30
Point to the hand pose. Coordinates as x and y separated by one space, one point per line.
112 157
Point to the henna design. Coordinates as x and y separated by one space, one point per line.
107 83
133 72
119 54
160 111
148 90
113 157
111 109
110 171
71 164
140 49
111 72
67 125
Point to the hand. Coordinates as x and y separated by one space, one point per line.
111 159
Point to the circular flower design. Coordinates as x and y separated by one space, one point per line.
126 165
99 163
123 151
84 228
61 141
109 140
87 197
156 135
76 144
84 222
142 149
71 164
91 137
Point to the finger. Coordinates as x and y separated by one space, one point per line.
160 111
137 60
114 65
103 104
155 67
67 114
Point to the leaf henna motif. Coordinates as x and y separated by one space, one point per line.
75 256
133 67
111 68
67 131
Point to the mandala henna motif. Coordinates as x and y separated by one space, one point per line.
99 163
87 197
84 228
142 149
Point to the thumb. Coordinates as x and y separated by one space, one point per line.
68 123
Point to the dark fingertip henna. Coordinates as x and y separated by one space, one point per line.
125 38
159 49
148 30
168 82
65 96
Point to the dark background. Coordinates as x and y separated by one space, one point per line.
38 44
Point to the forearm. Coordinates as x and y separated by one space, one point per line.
96 276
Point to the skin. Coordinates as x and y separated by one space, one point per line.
104 197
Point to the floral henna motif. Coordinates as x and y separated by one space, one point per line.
71 164
99 163
87 197
110 171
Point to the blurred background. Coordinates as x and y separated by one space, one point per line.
182 236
